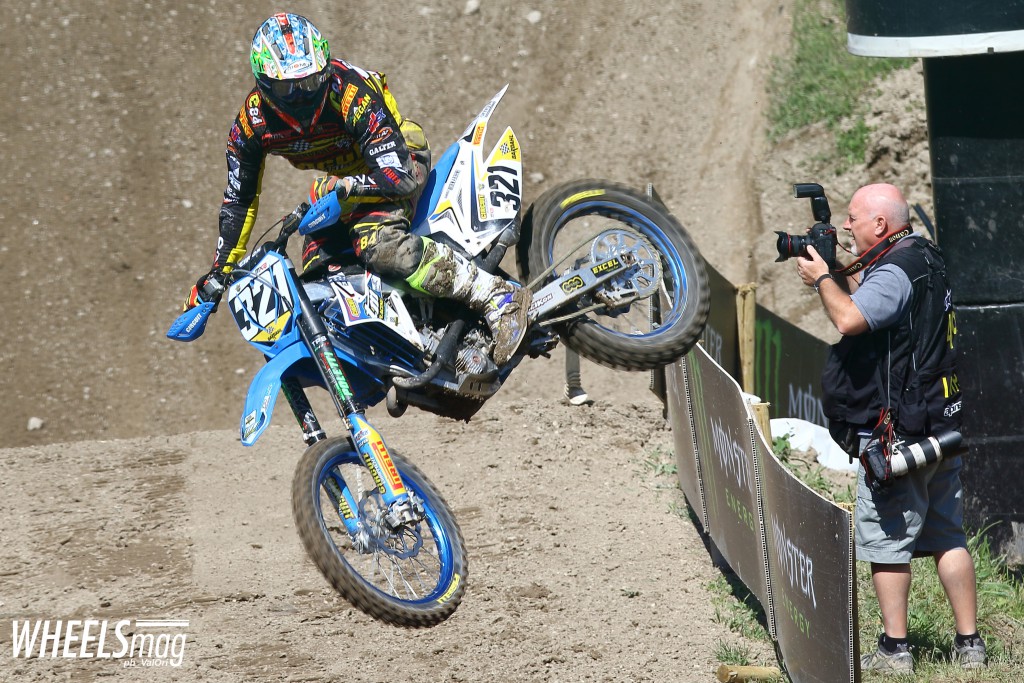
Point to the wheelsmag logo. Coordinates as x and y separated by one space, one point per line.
135 642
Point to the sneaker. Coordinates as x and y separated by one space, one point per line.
970 655
507 316
900 661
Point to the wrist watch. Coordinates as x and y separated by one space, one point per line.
826 276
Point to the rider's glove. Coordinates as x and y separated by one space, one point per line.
207 288
324 185
343 188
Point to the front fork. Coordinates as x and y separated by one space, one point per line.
367 440
303 411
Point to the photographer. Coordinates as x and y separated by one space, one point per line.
891 377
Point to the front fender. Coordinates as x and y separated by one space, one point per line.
259 402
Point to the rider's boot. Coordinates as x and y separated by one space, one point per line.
445 273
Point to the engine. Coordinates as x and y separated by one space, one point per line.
472 358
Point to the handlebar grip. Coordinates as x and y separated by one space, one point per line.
292 220
213 289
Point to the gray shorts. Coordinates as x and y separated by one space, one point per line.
920 514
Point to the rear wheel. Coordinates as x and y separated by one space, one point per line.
413 575
654 312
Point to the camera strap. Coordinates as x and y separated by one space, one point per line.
874 253
884 431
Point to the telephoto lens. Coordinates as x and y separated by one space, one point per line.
910 456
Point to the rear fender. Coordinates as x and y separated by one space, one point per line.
259 402
467 200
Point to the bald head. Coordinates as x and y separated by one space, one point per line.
885 200
876 211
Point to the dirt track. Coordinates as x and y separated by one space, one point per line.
135 499
581 567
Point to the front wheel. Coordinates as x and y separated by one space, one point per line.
650 315
412 575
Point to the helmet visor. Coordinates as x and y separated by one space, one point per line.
296 90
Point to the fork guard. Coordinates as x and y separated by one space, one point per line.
263 392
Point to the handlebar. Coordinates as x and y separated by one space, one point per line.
290 225
292 220
190 325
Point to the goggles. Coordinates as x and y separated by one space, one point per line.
295 90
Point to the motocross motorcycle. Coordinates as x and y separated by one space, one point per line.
614 276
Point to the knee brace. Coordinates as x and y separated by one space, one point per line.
388 249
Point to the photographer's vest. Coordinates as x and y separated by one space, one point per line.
909 367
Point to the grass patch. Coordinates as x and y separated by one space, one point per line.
660 463
812 474
737 655
819 81
737 609
782 448
931 627
852 143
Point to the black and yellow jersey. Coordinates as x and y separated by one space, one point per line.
356 131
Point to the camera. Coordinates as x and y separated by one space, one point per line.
903 457
821 236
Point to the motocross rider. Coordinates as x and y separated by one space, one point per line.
326 114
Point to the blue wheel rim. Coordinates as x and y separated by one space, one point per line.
650 231
442 541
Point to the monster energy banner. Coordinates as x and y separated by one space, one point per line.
677 401
721 334
787 368
792 548
811 575
727 469
788 361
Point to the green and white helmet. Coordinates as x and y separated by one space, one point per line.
289 60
